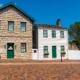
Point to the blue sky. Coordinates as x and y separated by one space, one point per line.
48 11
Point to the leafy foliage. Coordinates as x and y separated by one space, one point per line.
63 52
74 31
46 53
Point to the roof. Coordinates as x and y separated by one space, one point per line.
15 6
50 26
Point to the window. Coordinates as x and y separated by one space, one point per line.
62 34
62 48
10 26
45 33
45 48
53 33
23 47
23 26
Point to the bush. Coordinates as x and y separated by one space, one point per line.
63 52
46 53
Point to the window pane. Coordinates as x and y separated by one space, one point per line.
23 47
23 50
23 26
53 33
45 33
45 48
62 48
62 34
10 26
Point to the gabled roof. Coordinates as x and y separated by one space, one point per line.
23 12
49 26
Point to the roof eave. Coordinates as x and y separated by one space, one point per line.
32 19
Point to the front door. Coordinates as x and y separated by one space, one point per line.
53 51
10 50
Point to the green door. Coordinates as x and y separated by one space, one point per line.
10 50
53 51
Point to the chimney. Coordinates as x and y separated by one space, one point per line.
58 23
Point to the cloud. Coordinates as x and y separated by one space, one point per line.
1 4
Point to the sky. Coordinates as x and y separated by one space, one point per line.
48 11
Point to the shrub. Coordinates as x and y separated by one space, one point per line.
46 53
63 52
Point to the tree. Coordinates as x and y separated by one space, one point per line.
74 32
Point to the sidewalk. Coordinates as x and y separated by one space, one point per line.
36 62
63 63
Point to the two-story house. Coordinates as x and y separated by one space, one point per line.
15 32
17 41
52 39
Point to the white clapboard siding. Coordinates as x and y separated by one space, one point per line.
74 54
52 42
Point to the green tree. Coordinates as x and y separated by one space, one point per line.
74 32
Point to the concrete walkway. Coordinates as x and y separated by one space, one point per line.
39 63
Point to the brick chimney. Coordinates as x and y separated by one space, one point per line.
58 23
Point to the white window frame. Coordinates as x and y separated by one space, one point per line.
54 32
61 34
23 49
23 29
62 48
45 33
10 27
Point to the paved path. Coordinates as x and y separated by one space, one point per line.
40 63
40 71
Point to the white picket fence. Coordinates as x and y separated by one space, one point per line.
73 55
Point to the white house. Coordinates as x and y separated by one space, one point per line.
50 38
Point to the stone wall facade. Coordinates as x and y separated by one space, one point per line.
72 47
17 37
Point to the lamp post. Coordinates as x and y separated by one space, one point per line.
61 57
62 53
